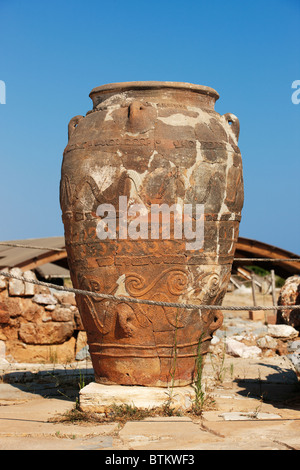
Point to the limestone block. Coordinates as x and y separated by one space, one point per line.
3 280
83 353
44 299
238 349
240 416
16 287
61 313
282 331
82 349
290 295
13 306
46 333
65 298
295 360
294 346
29 288
4 313
98 397
267 342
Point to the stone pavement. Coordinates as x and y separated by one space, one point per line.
256 406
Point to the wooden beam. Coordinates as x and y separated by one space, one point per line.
49 257
259 250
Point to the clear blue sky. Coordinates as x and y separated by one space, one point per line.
54 52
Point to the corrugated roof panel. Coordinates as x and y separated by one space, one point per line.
12 256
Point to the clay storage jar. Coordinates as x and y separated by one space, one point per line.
145 144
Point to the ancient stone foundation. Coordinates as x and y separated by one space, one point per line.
37 325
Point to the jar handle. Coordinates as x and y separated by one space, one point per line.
234 123
73 124
217 321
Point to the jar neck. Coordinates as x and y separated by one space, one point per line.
164 93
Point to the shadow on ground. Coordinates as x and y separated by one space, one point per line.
279 388
54 383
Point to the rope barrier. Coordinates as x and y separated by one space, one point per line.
148 302
35 247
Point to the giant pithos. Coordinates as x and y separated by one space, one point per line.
146 147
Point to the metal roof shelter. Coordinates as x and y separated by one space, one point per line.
247 248
48 257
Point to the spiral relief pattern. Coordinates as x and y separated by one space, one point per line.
137 285
213 284
177 282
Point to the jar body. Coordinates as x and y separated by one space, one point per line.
151 196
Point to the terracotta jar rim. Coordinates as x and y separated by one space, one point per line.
125 86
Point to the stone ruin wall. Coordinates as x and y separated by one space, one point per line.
36 324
